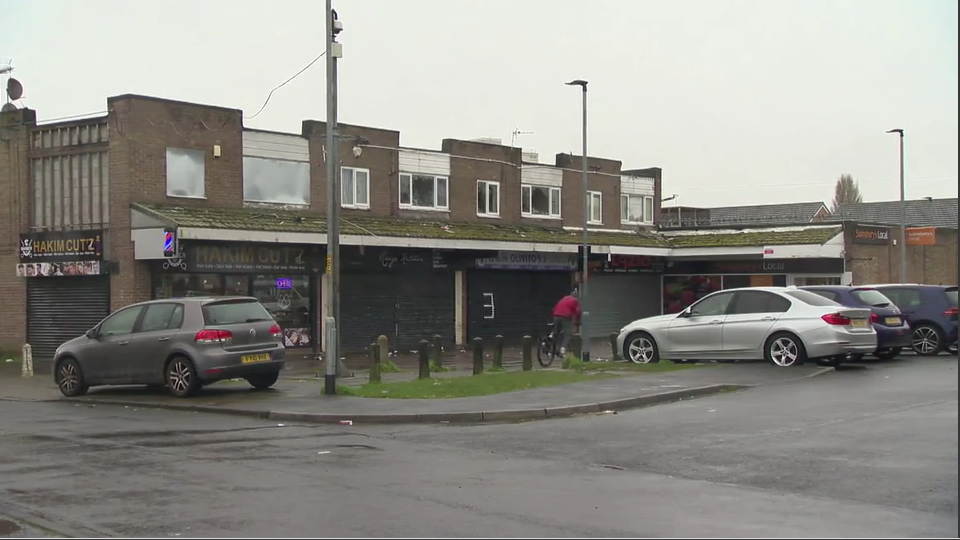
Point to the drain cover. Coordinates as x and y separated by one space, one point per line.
8 527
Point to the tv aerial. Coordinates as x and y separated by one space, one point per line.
516 133
14 88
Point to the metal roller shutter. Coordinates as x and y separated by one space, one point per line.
615 300
368 309
62 308
512 303
426 306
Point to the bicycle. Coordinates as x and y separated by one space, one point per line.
547 349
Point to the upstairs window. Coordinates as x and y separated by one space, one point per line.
488 198
423 192
539 201
354 188
186 173
636 209
595 200
276 181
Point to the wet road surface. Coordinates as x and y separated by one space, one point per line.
857 453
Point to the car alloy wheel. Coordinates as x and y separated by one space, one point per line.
926 340
641 350
784 352
181 377
70 380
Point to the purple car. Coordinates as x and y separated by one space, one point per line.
893 331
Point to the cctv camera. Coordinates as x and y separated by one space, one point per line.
357 151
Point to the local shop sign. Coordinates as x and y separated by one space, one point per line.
521 260
61 246
871 235
243 258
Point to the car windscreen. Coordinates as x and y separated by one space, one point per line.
808 297
951 296
234 312
871 297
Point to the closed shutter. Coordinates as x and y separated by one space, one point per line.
615 300
426 306
368 309
62 308
512 303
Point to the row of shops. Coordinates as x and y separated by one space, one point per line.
407 294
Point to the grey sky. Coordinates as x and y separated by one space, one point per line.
739 101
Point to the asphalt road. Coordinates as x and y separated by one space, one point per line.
857 453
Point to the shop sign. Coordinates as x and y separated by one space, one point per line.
922 236
871 235
59 269
806 265
523 260
629 264
240 257
61 246
387 259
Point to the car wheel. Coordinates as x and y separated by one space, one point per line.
927 340
262 381
640 348
182 377
784 350
70 378
888 354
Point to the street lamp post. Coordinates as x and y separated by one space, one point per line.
903 214
331 343
584 272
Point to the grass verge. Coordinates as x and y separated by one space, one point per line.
575 364
470 386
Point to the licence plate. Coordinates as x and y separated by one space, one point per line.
859 323
254 358
893 321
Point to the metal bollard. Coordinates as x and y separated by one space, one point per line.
424 359
477 355
615 354
576 345
527 353
498 352
26 368
437 352
374 363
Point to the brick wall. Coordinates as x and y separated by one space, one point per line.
14 219
603 176
142 128
933 265
483 161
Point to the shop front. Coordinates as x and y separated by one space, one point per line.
685 282
622 289
68 289
513 293
406 294
283 277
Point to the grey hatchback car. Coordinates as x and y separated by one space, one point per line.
182 343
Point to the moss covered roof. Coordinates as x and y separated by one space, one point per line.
278 220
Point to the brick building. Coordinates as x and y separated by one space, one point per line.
474 239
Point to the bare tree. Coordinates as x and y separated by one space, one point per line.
847 191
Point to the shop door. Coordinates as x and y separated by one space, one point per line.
512 303
368 309
426 306
62 308
614 300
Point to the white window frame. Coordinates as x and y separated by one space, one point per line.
437 179
355 204
487 184
591 195
645 219
526 195
203 172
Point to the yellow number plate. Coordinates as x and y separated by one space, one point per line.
858 323
254 358
893 321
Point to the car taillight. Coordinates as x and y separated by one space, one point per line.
836 319
276 331
214 336
874 318
951 312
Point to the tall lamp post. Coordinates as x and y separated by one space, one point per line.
584 327
903 214
331 344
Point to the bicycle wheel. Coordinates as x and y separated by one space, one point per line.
545 352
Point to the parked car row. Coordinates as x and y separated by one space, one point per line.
787 326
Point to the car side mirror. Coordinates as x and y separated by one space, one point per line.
92 333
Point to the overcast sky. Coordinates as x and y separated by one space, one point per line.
739 101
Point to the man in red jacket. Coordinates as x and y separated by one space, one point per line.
565 315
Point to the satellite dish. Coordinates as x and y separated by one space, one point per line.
7 107
14 89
